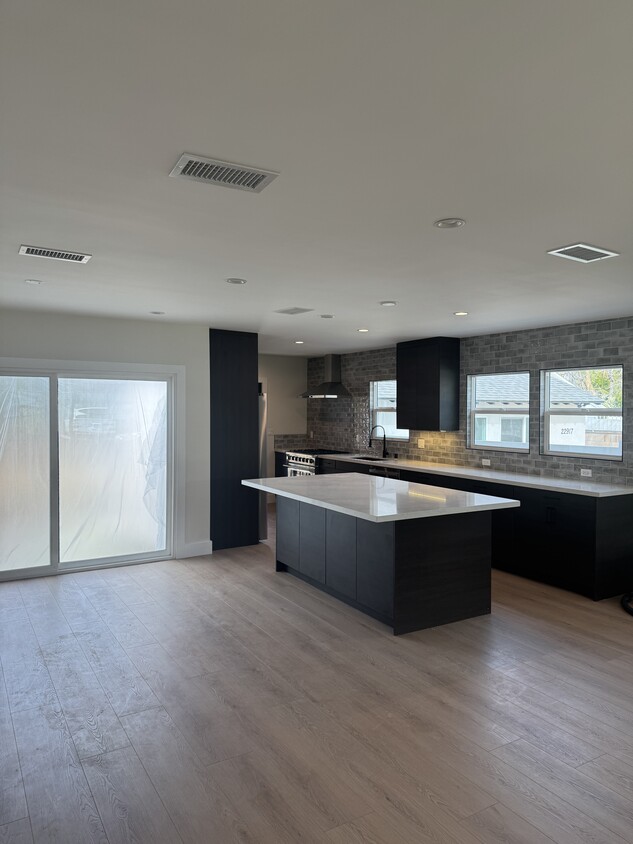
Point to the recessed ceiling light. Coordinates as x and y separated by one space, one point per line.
236 281
460 313
363 330
157 313
299 342
33 281
327 316
450 223
388 304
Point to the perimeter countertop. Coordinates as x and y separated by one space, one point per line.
574 487
378 499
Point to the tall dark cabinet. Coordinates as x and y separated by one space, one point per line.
427 373
234 438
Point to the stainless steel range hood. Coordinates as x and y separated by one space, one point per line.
331 388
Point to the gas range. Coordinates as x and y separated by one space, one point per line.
303 462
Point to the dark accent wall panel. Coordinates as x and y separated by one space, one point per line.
234 438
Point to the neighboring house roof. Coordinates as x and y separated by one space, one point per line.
513 387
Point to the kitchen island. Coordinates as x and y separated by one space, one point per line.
411 555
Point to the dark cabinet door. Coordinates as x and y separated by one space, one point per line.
288 532
555 538
280 462
427 374
359 468
312 542
340 554
325 466
375 566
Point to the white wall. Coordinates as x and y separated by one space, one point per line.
55 336
285 378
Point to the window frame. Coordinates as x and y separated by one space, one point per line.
546 413
373 411
472 411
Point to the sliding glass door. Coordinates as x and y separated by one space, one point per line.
25 478
85 471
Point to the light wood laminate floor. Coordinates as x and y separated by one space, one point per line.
211 700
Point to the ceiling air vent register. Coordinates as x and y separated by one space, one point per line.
294 311
215 172
55 254
583 253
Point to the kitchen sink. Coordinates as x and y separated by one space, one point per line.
366 457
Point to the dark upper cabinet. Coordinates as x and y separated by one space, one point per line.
427 373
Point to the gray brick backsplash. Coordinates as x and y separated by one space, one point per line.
344 423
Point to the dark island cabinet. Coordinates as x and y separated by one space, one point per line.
410 574
427 378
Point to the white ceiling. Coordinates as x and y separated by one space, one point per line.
380 115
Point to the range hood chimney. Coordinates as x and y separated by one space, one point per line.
331 388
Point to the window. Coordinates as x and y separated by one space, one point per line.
582 412
498 409
382 403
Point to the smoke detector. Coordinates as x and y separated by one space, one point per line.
215 172
583 253
55 254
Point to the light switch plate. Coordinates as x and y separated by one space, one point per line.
421 442
586 473
485 461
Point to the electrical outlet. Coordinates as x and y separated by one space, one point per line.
311 435
421 442
586 473
485 461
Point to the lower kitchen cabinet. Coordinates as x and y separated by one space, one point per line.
575 542
580 543
280 464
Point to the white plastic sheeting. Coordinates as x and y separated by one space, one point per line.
24 472
113 454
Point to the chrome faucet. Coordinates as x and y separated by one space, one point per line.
384 440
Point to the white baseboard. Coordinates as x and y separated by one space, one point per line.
194 549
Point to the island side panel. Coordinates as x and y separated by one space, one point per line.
442 570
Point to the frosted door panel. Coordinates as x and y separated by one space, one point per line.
24 472
112 468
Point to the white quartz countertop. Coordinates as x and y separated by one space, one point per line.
378 499
512 478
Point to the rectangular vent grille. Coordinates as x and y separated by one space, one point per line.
223 173
55 254
295 311
583 252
